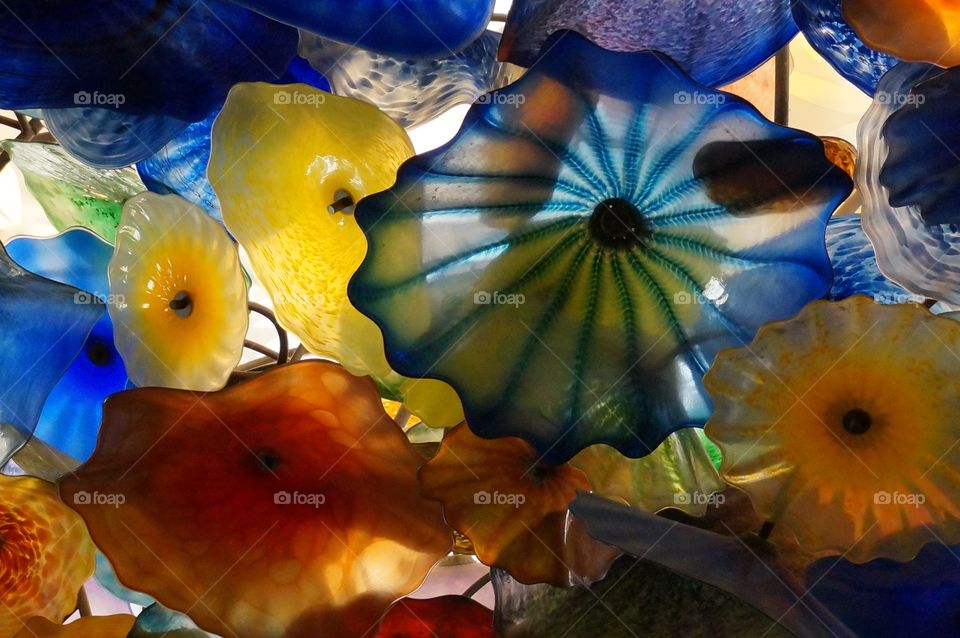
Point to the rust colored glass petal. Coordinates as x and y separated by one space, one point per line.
283 506
442 617
117 626
914 30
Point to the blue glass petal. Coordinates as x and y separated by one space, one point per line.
715 41
891 599
107 577
575 258
71 415
110 139
180 167
822 23
922 168
42 330
157 620
412 28
855 270
410 91
923 258
176 58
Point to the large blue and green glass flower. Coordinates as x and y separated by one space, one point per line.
575 258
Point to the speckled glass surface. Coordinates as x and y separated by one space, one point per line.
411 91
609 233
71 415
715 41
827 31
923 258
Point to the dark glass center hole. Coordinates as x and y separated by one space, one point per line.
182 304
618 224
98 352
268 461
856 421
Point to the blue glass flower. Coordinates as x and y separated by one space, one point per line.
176 58
410 91
42 329
922 257
411 28
71 415
855 270
715 41
893 599
823 24
574 259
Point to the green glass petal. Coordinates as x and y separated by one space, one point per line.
72 193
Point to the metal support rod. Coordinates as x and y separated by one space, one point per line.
83 604
284 349
781 107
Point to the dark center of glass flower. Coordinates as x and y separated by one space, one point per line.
182 304
343 202
98 352
268 461
617 223
856 421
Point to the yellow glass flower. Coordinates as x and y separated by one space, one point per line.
841 425
179 301
117 626
45 553
288 164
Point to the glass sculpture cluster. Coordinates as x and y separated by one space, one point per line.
621 339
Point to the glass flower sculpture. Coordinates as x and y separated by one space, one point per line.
71 415
511 507
838 425
283 506
825 28
35 352
714 41
179 298
924 31
288 164
411 91
907 178
855 270
441 617
45 553
597 231
71 193
117 626
412 28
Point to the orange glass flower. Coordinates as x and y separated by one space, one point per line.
45 553
117 626
841 425
283 506
513 509
915 30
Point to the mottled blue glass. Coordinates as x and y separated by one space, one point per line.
922 168
891 599
71 415
596 232
410 91
412 28
715 41
176 58
43 327
822 23
855 270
